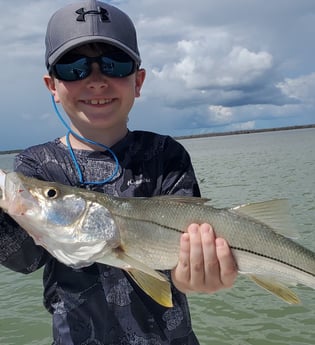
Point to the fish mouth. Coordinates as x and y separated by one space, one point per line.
15 197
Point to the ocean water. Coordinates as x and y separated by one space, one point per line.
231 170
239 169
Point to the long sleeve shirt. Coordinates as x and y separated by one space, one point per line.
99 304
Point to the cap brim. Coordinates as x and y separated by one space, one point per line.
86 40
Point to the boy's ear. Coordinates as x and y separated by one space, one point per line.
140 76
51 86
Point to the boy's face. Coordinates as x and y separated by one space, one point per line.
97 102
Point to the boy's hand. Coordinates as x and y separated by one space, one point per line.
205 263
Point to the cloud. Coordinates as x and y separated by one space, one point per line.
301 88
211 65
220 114
200 67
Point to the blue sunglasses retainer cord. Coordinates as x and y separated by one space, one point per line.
73 157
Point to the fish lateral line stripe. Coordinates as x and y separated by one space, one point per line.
150 222
274 259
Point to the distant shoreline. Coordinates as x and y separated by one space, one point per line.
214 134
8 152
244 131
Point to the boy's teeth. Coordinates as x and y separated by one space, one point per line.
98 101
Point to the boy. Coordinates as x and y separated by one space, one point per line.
94 72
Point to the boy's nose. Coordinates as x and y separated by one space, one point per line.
97 78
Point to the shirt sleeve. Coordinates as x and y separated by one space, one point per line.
179 176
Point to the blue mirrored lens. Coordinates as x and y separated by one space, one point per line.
81 67
72 71
116 69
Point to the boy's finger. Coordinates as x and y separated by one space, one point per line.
228 268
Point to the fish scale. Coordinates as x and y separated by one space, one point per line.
243 233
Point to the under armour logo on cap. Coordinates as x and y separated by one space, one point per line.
102 12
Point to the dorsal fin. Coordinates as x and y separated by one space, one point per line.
274 213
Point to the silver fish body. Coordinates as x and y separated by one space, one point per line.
142 235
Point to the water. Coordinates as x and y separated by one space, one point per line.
231 170
246 168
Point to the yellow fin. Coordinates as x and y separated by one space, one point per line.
157 289
153 283
276 288
274 213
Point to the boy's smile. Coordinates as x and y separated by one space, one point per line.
97 103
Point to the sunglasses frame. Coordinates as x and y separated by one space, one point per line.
104 66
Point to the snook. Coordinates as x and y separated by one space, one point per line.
142 235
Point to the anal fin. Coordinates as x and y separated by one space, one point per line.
276 288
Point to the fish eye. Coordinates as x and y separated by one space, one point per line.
51 193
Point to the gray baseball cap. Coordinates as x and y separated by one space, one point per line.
87 22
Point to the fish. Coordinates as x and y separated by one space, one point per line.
141 236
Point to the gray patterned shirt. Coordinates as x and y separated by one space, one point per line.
99 304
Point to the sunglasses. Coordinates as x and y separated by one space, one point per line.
80 67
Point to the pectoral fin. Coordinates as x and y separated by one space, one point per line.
153 283
276 288
157 289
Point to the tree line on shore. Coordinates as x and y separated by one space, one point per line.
214 134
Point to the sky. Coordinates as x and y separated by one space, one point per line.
212 66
